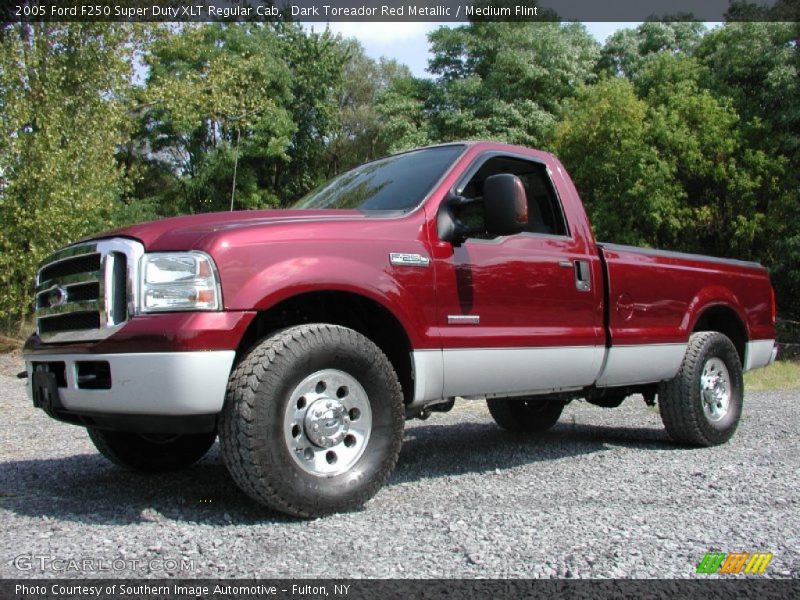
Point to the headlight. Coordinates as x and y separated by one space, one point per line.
179 281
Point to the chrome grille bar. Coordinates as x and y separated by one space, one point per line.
69 307
87 291
64 289
68 280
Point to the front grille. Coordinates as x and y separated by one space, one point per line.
75 321
72 265
86 291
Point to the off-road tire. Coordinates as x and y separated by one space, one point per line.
151 453
680 399
252 420
525 415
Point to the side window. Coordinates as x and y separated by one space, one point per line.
544 210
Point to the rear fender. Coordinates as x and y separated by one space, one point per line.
710 297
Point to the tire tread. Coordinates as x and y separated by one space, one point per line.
129 451
677 397
242 448
515 415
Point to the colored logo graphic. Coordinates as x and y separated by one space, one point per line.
751 563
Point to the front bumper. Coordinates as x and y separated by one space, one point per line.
157 384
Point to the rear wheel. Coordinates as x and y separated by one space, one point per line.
151 453
532 415
702 404
313 420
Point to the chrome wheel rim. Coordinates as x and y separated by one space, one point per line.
327 423
715 389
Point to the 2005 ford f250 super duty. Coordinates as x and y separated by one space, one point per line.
305 337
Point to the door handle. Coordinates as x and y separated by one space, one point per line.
583 276
567 264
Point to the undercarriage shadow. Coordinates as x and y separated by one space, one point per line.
86 488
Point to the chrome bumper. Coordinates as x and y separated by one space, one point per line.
158 384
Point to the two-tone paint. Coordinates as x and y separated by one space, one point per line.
507 316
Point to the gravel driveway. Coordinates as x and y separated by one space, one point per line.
605 494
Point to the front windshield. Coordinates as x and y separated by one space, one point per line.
398 182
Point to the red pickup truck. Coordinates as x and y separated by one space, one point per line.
305 337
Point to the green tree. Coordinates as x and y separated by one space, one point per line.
217 101
726 185
731 115
405 114
627 51
276 107
661 162
507 81
359 136
628 187
64 91
317 64
757 66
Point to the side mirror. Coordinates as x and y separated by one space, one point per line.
451 228
505 204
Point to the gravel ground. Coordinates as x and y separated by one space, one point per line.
604 494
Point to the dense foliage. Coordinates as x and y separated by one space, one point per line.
676 136
63 115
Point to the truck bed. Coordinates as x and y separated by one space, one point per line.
654 300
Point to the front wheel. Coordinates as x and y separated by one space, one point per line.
313 420
151 453
525 415
702 404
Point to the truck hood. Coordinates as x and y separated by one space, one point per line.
189 232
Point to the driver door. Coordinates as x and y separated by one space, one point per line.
520 313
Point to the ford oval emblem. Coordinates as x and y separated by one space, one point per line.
57 297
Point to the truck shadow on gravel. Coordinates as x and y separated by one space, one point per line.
441 450
87 489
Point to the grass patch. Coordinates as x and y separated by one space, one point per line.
8 344
781 375
13 335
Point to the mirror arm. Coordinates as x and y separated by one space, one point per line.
456 201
